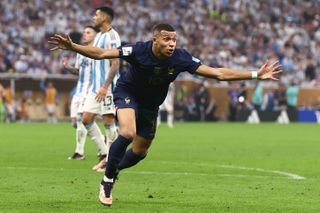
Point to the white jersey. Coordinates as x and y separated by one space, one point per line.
100 68
85 74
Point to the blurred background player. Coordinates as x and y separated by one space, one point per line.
82 69
9 105
99 100
168 106
1 104
50 98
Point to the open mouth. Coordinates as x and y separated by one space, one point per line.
170 51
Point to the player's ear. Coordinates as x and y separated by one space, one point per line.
154 38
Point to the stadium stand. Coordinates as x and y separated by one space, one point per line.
233 33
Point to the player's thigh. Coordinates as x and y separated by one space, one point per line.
140 145
127 122
91 105
147 123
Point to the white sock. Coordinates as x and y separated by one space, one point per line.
106 179
81 135
170 120
97 137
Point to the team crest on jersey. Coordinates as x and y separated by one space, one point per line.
127 100
157 70
170 70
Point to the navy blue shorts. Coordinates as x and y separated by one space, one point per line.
146 119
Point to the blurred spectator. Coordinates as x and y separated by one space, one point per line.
202 98
242 98
233 101
268 101
22 115
292 95
9 104
280 97
179 102
205 103
191 113
1 103
50 93
310 71
237 33
257 96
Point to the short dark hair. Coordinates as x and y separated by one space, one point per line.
107 10
93 27
162 26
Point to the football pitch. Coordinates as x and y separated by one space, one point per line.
194 167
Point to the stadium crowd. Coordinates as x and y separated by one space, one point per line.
232 33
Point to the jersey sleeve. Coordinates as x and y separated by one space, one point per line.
115 40
189 62
127 52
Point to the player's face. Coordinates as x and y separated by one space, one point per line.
165 43
88 35
98 18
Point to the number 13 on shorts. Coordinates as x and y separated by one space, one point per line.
107 105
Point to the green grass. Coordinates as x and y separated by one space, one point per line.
186 170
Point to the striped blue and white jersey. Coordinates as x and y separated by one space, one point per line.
85 74
100 68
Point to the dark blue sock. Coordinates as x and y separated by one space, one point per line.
130 159
117 150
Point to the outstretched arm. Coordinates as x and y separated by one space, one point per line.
266 72
65 43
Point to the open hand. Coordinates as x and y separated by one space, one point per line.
63 42
268 71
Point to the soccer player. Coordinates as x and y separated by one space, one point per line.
168 106
82 69
50 94
9 104
1 103
139 93
99 100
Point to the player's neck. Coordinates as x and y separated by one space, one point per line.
157 54
105 27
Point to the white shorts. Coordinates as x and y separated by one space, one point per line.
51 108
103 108
77 105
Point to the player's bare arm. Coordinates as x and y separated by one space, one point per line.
112 73
72 70
65 43
266 72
